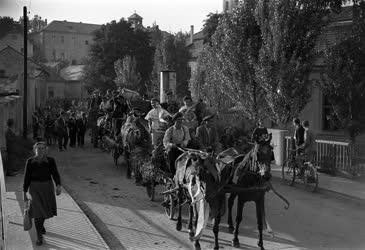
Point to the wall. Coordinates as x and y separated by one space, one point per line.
10 107
58 89
73 47
73 89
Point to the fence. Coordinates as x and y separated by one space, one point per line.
3 218
335 156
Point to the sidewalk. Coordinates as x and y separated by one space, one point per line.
71 229
332 185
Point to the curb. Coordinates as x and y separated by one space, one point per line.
105 233
324 191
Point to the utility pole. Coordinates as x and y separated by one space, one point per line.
25 74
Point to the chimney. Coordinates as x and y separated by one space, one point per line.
191 33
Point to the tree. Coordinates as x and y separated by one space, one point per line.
228 70
7 24
171 53
343 78
127 75
210 26
114 41
289 31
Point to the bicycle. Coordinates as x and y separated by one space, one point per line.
296 167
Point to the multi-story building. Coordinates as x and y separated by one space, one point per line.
62 40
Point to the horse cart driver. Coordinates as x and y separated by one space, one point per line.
175 136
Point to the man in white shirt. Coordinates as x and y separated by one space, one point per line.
175 136
155 123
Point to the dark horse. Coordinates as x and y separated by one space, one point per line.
136 143
207 184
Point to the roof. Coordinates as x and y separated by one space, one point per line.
72 73
135 16
72 27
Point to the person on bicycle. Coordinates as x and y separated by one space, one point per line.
298 135
307 147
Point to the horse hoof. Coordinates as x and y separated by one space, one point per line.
235 243
178 226
261 245
191 234
230 229
197 246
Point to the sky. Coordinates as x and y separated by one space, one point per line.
170 15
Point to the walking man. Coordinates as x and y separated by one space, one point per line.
61 128
81 125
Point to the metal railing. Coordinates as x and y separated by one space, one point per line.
3 218
335 155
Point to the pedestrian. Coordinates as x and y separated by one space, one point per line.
298 135
207 136
190 119
61 128
11 149
71 124
35 123
175 136
155 124
81 125
40 170
48 129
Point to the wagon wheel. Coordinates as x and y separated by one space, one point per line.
288 172
170 209
150 188
311 178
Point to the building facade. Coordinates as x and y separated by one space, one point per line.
62 40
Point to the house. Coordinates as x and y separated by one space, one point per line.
11 78
136 21
15 39
63 40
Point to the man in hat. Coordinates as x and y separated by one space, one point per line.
175 136
155 123
207 135
72 128
188 111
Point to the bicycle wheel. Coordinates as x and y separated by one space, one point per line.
311 178
288 172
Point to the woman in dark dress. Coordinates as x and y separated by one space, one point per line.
40 170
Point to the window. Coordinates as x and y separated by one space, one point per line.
53 37
226 8
86 42
236 2
62 39
50 92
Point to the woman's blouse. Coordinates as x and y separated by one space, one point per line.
40 171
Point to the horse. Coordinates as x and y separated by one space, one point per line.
207 183
136 143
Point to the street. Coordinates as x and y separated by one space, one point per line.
128 220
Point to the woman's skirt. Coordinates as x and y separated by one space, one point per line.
43 204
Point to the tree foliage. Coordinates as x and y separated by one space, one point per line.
210 26
127 74
343 78
7 24
289 31
114 41
171 54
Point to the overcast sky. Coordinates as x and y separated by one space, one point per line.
170 15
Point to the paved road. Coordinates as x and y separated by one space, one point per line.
129 220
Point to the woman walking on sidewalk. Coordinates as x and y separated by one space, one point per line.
40 170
